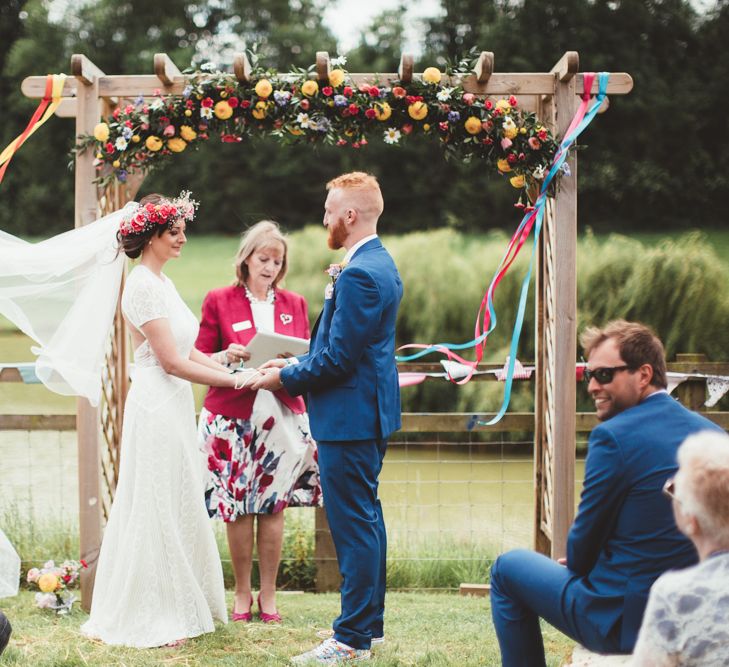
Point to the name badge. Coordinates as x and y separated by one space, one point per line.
242 325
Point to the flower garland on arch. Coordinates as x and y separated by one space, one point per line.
295 108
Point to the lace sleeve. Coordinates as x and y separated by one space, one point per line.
144 300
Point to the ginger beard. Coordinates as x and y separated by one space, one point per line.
337 234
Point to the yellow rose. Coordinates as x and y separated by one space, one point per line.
522 130
382 111
153 143
473 125
418 110
176 145
310 88
503 105
188 112
503 166
518 181
48 582
432 75
264 88
426 127
336 77
511 132
187 133
136 139
223 110
101 132
99 156
116 164
260 110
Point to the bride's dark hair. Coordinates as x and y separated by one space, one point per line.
133 244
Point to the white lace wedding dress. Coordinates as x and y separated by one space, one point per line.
159 577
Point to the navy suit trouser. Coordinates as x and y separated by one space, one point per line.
525 586
348 472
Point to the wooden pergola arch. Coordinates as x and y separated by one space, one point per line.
553 95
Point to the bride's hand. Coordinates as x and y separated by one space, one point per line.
273 363
236 353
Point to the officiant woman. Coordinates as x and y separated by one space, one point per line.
261 457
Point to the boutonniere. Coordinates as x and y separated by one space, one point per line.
334 270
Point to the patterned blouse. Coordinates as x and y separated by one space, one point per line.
686 621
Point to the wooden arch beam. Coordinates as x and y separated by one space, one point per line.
241 67
405 69
165 70
323 66
484 67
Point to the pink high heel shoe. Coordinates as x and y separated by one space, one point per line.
247 616
267 618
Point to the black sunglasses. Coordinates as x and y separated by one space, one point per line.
603 375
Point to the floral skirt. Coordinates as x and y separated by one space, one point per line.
259 465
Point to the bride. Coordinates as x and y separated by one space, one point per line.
159 578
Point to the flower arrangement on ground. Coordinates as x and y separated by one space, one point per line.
53 583
141 134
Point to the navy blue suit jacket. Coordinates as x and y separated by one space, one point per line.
350 374
624 536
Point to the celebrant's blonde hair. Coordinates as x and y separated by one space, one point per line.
264 234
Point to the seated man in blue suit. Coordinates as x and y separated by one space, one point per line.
624 536
350 378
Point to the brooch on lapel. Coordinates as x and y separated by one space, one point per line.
286 318
334 270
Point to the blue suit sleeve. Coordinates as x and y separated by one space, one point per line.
354 322
604 486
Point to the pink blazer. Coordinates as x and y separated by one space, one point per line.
228 306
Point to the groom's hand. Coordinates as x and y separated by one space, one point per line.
270 378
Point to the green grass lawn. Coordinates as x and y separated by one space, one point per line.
420 629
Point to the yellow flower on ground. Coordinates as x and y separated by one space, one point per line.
101 132
116 164
264 88
223 110
260 110
503 166
473 125
48 582
176 145
382 111
503 105
518 181
187 133
432 75
336 77
418 110
153 143
310 88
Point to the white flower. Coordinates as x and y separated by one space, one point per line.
158 103
444 94
339 61
49 564
538 173
33 575
206 112
120 144
304 121
392 135
508 123
45 600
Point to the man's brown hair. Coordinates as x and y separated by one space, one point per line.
637 343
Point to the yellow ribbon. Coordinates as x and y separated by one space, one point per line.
56 99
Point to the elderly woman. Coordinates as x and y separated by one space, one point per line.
261 457
687 618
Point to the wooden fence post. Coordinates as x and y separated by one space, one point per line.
692 393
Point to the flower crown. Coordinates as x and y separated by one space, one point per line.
167 212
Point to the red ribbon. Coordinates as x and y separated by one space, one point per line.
35 118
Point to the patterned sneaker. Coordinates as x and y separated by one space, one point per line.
331 652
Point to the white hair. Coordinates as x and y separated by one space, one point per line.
702 482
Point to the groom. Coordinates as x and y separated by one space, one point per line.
351 381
